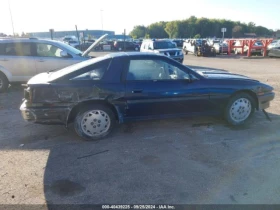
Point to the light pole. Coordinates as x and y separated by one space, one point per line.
101 12
11 18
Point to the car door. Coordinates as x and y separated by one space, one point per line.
18 59
276 52
160 86
48 58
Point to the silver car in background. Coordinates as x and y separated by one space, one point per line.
22 58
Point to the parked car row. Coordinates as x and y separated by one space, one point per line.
190 46
108 45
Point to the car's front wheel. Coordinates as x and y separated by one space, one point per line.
239 109
4 83
94 122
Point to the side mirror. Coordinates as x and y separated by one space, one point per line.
63 54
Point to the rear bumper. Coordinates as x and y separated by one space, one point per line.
264 100
42 115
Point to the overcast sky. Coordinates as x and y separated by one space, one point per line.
117 15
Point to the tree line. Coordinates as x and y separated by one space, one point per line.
194 27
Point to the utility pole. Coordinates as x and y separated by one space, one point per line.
101 12
78 34
11 18
124 40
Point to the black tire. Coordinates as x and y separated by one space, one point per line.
234 99
100 110
4 83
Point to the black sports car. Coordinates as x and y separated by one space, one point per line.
122 87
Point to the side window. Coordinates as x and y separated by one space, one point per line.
47 50
154 70
2 49
96 73
18 49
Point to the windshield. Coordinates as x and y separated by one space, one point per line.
164 45
67 39
258 43
57 74
70 48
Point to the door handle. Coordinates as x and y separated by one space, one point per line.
137 91
41 60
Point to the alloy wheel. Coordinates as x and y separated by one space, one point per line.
95 123
240 109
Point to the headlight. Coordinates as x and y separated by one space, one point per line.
264 89
180 52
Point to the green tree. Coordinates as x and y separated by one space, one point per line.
197 36
138 31
204 26
172 28
251 27
237 32
156 30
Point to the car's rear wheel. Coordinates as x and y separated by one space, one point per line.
94 122
4 83
239 109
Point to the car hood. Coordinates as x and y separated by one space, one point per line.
85 54
221 74
42 78
168 50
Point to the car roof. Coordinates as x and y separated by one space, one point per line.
35 40
132 54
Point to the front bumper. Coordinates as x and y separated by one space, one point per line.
44 115
264 100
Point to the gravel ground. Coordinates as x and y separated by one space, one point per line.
178 161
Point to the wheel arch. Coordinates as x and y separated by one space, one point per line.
249 92
6 73
74 111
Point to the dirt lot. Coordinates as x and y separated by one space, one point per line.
177 161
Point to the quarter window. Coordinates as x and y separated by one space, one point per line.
18 49
47 50
96 73
154 70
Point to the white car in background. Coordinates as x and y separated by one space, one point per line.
23 58
274 43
